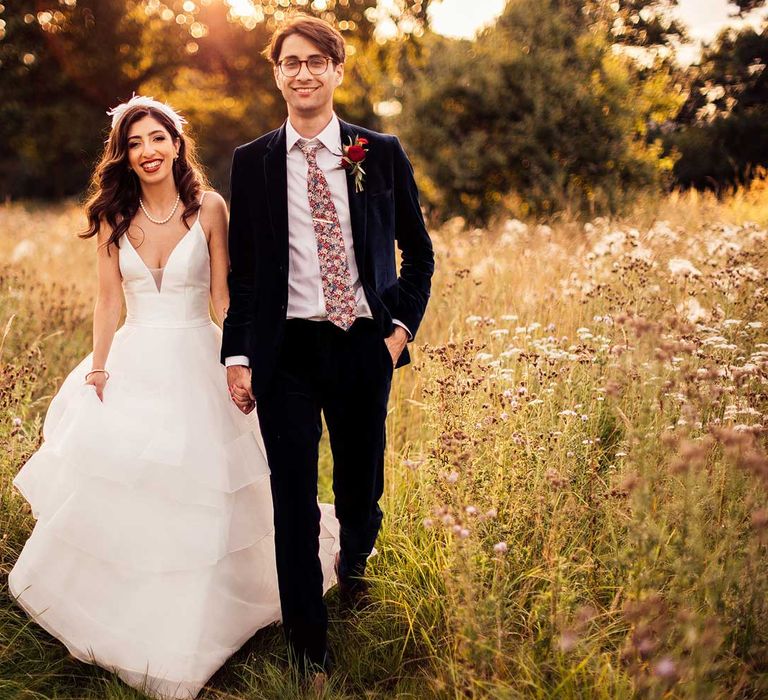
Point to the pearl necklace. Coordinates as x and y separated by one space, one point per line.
166 220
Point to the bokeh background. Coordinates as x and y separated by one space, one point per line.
555 105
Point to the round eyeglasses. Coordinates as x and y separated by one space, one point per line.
291 67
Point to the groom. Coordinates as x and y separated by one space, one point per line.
318 317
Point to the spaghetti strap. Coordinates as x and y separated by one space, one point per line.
202 197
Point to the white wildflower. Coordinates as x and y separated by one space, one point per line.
24 249
515 227
692 310
680 266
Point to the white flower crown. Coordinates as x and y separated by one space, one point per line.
141 101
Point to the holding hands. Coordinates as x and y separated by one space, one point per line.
239 384
239 376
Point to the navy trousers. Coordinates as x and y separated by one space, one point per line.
346 376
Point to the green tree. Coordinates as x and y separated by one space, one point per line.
647 24
64 63
746 6
538 115
62 68
720 130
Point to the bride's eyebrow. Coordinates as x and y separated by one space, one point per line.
151 133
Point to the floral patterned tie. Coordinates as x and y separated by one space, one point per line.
339 296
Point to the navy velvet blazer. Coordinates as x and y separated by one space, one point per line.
386 213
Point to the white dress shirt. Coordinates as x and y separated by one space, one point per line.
305 285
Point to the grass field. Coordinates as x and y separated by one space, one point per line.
577 480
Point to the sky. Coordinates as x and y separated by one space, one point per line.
705 18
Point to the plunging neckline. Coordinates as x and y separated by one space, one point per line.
148 269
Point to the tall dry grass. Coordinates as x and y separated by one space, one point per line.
576 497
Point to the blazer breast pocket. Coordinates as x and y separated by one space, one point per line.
381 194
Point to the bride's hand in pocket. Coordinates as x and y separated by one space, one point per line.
98 381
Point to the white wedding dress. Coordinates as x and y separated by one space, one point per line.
153 552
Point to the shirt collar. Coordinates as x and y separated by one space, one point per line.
330 136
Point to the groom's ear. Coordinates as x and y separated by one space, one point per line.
339 74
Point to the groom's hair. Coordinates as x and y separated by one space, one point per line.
318 31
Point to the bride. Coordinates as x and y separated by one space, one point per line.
153 553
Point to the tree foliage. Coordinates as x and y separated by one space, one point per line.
647 24
538 114
62 68
748 5
720 131
65 62
563 103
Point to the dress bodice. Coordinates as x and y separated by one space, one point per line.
182 299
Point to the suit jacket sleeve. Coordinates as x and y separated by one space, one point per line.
417 257
238 327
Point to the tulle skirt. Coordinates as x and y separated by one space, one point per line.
153 552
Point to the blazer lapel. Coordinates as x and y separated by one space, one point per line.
276 179
358 202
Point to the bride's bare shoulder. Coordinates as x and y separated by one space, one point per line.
213 213
213 200
213 203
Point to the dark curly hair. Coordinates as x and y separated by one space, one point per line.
114 193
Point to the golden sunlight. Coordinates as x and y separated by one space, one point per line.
246 12
244 8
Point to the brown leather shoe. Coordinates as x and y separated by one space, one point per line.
354 593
